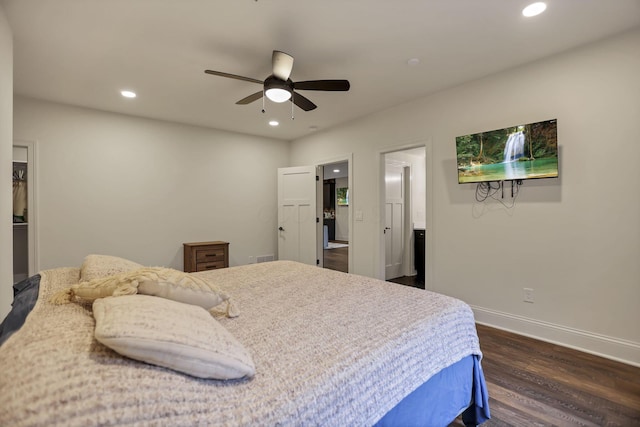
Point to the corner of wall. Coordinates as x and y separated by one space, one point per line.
6 154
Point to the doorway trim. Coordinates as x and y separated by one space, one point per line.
32 203
427 144
348 157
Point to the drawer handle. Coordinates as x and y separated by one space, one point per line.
210 254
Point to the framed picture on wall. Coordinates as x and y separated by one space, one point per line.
342 196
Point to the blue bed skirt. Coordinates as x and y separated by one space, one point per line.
459 388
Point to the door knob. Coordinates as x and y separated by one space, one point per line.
280 228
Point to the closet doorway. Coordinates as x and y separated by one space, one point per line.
336 218
24 214
403 213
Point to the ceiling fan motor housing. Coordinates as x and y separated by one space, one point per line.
278 90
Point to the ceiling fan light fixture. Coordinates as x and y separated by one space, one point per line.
277 94
278 90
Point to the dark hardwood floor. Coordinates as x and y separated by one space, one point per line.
534 383
337 259
408 281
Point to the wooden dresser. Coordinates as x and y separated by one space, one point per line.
201 256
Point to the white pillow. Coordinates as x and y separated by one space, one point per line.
100 266
174 335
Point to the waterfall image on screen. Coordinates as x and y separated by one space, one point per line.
514 153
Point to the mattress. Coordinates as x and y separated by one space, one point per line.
330 349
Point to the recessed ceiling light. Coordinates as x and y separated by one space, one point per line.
534 9
413 61
273 123
128 94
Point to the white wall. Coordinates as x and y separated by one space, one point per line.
6 145
574 240
139 188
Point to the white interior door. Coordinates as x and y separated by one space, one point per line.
394 218
299 226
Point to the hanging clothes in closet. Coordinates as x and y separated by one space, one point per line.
19 194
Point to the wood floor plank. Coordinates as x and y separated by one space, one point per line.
533 383
537 409
540 390
337 259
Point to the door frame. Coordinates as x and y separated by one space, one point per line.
427 144
348 157
32 203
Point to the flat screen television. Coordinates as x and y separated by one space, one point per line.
514 153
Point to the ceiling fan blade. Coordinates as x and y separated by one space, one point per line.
282 64
303 103
334 85
233 76
249 99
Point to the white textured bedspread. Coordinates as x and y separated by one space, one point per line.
330 349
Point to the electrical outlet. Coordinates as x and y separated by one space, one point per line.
527 295
252 260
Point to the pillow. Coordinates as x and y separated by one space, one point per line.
171 334
158 281
100 266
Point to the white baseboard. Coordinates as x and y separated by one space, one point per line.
611 348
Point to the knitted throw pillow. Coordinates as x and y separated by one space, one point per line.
101 266
174 335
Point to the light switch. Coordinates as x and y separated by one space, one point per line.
359 216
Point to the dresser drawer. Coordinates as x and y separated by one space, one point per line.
202 256
202 266
210 254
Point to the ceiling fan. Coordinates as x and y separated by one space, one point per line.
278 87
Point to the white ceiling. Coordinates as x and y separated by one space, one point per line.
83 52
341 167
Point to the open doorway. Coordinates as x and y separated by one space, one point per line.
25 255
335 201
301 216
403 212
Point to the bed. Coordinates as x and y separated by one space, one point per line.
327 348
